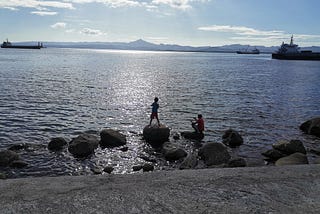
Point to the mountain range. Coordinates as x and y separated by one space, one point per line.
144 45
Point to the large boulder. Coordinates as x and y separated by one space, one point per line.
214 154
57 143
83 145
273 154
192 135
232 138
7 157
173 152
156 136
311 127
190 162
112 138
237 162
289 148
293 159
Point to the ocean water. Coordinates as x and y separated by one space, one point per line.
63 92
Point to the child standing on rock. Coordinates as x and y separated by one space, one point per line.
154 113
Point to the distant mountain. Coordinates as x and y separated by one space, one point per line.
144 45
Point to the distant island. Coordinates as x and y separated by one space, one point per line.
147 46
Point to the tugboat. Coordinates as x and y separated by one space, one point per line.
254 51
292 52
7 44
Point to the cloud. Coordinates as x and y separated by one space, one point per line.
240 30
92 32
36 4
44 13
59 25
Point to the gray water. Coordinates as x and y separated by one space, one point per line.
63 92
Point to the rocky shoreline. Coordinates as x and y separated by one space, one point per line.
209 154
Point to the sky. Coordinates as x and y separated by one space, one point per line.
182 22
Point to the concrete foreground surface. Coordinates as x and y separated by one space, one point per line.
288 189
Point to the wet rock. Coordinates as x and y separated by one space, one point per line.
315 151
190 162
232 138
192 135
273 154
57 144
18 164
147 167
7 157
17 147
237 162
289 148
311 127
293 159
137 168
148 159
83 145
176 136
173 152
108 169
317 161
214 154
156 136
124 149
112 138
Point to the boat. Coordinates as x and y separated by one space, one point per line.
292 52
7 44
253 51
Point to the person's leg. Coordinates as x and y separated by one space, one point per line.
158 120
195 127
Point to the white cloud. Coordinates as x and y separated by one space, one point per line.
92 32
36 4
59 25
240 30
44 13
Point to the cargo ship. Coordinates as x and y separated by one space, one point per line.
292 52
253 51
7 44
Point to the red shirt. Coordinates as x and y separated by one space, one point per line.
200 124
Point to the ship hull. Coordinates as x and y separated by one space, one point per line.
299 56
243 52
22 47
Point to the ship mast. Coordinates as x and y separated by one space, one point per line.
291 42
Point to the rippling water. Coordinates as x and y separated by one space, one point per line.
63 92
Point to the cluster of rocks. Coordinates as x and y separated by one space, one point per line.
293 152
211 154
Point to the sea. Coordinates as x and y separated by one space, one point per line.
60 92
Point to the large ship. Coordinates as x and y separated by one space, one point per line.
292 52
7 44
253 51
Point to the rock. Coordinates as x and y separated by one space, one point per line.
108 169
214 154
83 145
124 149
147 167
273 154
232 138
57 143
237 162
112 138
315 151
291 147
192 135
137 168
96 171
190 162
317 161
293 159
3 176
176 136
156 136
18 164
173 152
311 127
148 159
19 146
7 157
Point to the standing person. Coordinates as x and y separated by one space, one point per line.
154 113
198 124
